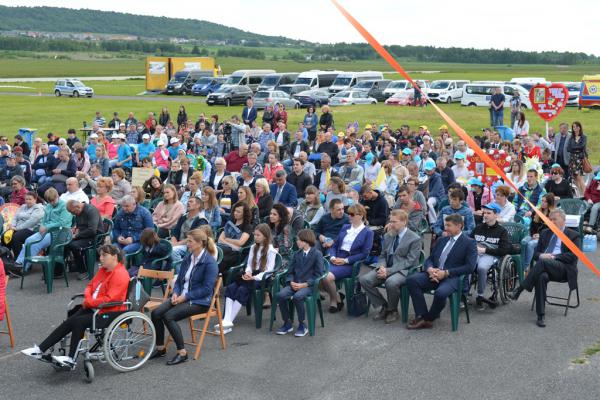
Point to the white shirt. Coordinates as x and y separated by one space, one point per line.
188 273
79 196
557 249
271 254
351 236
217 179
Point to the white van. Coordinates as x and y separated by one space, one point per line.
347 80
446 91
574 88
273 81
248 77
480 93
317 79
527 82
402 85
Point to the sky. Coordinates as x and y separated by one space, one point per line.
531 25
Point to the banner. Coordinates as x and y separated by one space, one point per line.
487 174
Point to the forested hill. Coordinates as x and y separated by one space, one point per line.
54 19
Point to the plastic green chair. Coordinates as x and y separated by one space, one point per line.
516 236
312 302
455 299
574 207
60 237
257 296
350 282
91 253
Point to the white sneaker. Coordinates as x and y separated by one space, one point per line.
227 327
64 360
34 352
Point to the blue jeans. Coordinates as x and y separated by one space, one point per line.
287 165
529 251
177 256
35 248
297 297
130 248
498 117
484 263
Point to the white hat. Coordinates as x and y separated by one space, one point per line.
115 136
93 136
122 136
174 140
160 143
145 136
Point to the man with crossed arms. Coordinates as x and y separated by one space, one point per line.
401 250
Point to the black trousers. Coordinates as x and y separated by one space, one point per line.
18 239
230 259
543 271
75 247
79 319
168 314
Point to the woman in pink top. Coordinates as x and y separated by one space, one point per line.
102 201
161 157
272 167
167 212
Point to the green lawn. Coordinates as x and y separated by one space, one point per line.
58 114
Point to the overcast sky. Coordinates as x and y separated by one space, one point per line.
516 24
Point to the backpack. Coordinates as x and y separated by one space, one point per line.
7 257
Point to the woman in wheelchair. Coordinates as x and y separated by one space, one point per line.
109 285
192 294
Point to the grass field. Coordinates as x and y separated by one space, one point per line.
59 114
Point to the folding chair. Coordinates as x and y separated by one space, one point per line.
151 274
9 330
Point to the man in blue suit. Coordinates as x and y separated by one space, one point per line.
282 191
249 113
454 254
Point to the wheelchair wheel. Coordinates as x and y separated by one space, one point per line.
129 341
509 277
88 368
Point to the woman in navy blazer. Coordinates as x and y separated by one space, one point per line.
192 294
352 244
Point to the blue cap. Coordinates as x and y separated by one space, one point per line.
417 158
494 207
555 165
407 151
459 156
597 177
369 157
475 181
429 165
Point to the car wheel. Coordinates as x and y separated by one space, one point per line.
472 105
227 102
57 93
449 100
76 94
318 104
373 102
297 106
523 106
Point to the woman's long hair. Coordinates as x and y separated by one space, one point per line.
284 218
551 200
266 232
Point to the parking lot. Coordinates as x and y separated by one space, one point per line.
501 354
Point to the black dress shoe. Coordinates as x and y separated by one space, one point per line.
514 295
158 353
540 322
340 305
178 359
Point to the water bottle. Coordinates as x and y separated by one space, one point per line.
590 243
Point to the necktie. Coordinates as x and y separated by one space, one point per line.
445 252
552 244
278 194
327 177
390 259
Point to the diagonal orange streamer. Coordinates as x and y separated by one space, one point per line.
464 136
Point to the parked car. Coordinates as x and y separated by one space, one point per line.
405 87
314 97
265 98
275 81
248 77
446 91
400 99
374 88
72 87
229 95
574 88
183 81
480 93
293 89
350 97
207 85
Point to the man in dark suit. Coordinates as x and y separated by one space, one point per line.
401 250
452 256
249 113
283 192
299 178
554 262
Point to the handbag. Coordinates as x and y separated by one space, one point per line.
587 166
137 295
357 304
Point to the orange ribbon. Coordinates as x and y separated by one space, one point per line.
464 136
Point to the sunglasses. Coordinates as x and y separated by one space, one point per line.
351 214
556 173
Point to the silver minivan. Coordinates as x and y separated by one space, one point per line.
72 87
274 81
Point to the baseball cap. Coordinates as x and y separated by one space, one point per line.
459 156
145 136
160 143
475 181
115 136
93 136
597 177
443 127
4 147
122 136
494 207
407 151
423 127
122 124
341 134
429 165
174 140
368 126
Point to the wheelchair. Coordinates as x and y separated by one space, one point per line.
126 344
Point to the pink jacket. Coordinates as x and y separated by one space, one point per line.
167 219
161 158
486 198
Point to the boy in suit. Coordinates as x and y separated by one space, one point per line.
305 268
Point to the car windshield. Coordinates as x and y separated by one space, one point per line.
234 80
224 90
203 81
343 94
574 87
440 85
401 95
286 89
270 80
363 85
303 81
261 95
77 84
397 85
342 81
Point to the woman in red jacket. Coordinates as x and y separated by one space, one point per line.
109 285
592 196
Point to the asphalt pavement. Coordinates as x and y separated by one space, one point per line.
500 354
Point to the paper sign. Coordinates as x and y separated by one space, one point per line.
548 100
487 174
141 175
